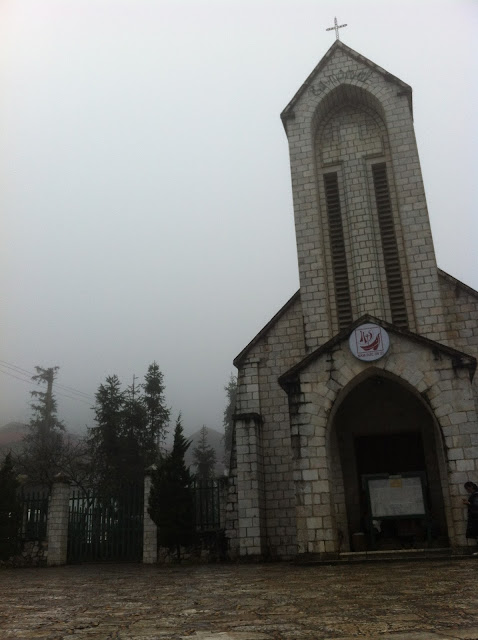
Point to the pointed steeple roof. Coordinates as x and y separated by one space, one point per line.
288 112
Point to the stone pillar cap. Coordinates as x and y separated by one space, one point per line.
61 478
149 470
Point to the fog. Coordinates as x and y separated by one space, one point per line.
146 198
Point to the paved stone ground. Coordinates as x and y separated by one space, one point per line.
421 600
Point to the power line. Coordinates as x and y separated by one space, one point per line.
64 395
14 366
21 371
7 373
57 393
72 390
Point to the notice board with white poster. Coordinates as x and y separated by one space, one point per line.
396 496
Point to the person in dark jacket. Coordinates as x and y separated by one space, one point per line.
472 503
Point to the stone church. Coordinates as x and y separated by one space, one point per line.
356 412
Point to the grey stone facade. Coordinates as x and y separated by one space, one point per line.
294 480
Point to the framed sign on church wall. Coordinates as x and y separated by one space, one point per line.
397 497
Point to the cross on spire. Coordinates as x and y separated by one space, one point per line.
336 28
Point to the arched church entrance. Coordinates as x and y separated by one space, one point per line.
387 443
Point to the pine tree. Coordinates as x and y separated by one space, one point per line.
137 452
45 420
171 498
9 509
44 446
204 458
105 439
129 425
157 412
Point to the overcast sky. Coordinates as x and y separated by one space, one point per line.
146 199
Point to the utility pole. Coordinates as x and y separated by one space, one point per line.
49 398
46 375
131 408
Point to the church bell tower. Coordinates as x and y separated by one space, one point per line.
363 235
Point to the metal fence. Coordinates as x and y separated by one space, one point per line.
34 514
207 503
106 527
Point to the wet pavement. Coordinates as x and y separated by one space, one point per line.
420 600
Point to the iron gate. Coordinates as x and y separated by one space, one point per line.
207 503
106 528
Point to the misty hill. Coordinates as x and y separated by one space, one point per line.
214 440
11 436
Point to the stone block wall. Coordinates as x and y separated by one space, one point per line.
350 139
391 101
250 485
460 308
445 387
301 470
231 515
259 392
34 553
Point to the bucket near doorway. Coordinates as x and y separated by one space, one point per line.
359 541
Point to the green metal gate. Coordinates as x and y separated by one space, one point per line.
106 528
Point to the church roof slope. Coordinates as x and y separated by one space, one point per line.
239 358
460 359
457 283
288 111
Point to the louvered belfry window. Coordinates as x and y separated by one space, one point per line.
389 245
337 246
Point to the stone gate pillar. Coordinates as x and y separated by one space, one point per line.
150 530
57 528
